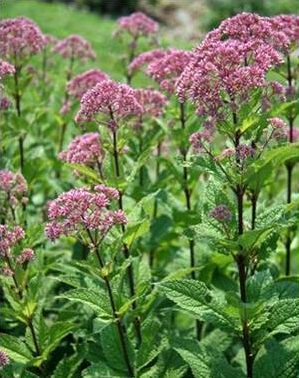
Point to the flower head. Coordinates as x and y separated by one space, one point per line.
164 66
146 58
14 187
152 101
75 47
85 149
218 79
26 255
79 210
20 38
6 69
286 27
4 359
109 98
138 24
9 236
220 213
87 80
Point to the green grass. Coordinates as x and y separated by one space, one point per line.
62 20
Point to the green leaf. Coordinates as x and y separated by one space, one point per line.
135 230
112 348
205 363
278 360
195 297
97 300
68 366
15 348
284 316
56 333
101 370
84 170
151 335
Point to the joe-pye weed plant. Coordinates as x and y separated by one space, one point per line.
168 209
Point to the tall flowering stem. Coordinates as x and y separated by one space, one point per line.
187 192
287 27
20 39
125 246
136 25
9 237
74 49
115 103
85 215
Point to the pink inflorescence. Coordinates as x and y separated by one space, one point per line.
138 24
286 28
4 359
74 47
50 40
20 38
86 149
9 237
109 98
82 82
221 74
168 69
14 186
6 69
277 122
152 101
220 213
26 255
164 66
146 58
80 210
198 139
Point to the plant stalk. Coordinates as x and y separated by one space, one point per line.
118 323
126 252
289 171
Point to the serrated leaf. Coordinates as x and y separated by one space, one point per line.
278 360
97 300
101 370
205 363
112 349
195 297
68 365
15 348
284 316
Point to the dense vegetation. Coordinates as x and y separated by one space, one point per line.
149 198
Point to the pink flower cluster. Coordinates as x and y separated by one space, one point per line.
277 122
280 131
86 149
217 75
108 97
50 40
138 24
243 151
164 66
146 58
80 210
75 47
153 102
82 82
20 38
9 237
286 28
14 186
4 359
6 69
26 255
220 213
